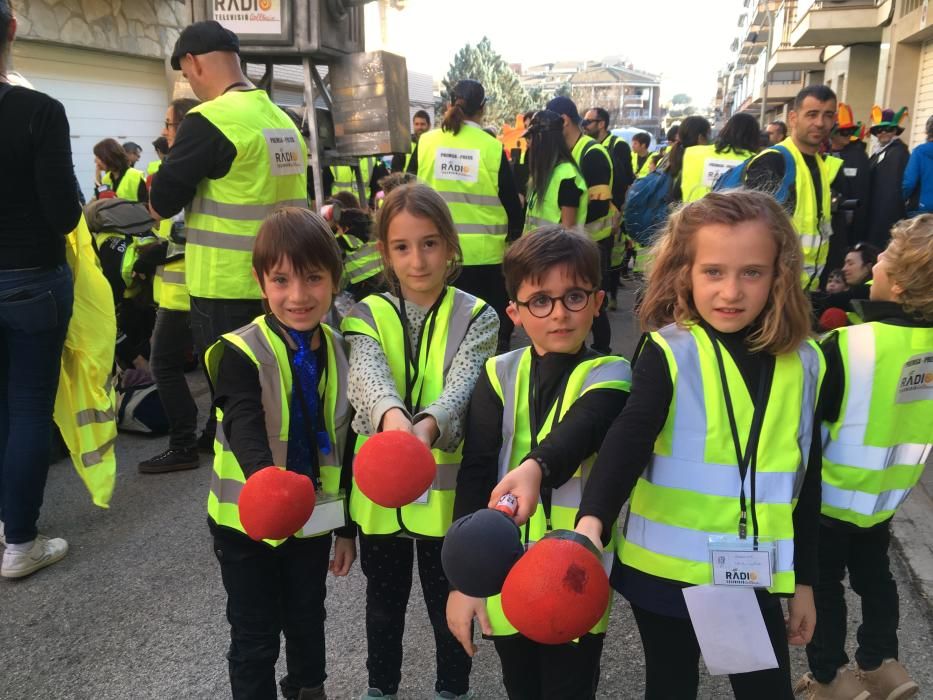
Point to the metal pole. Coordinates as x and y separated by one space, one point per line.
313 146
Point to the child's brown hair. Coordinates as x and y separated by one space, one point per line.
909 262
534 254
423 202
301 237
784 322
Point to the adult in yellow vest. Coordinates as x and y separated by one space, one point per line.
557 191
236 157
877 422
703 164
811 121
40 208
595 164
171 337
470 170
115 175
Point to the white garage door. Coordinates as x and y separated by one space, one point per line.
923 105
105 95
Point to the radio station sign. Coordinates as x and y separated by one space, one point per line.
255 21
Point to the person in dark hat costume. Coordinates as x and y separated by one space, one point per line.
850 225
888 162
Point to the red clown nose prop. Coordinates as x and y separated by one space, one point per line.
394 468
275 504
558 591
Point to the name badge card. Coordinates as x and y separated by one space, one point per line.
737 562
329 513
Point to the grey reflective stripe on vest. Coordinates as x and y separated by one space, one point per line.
226 490
487 229
598 224
170 276
93 415
692 545
810 365
445 479
372 267
536 221
484 200
506 367
875 458
861 502
461 318
95 457
239 212
224 241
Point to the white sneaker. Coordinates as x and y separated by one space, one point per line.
44 551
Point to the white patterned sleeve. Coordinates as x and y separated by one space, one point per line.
370 387
451 406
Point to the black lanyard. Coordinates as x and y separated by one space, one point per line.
747 461
412 369
237 84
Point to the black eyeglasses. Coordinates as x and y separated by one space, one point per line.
541 305
586 122
170 125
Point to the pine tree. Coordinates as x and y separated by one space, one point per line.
505 96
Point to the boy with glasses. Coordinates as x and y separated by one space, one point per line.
552 403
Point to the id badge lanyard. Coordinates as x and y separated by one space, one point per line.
414 377
746 461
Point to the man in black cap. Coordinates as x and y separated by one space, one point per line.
236 156
595 164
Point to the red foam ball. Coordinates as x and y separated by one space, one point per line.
275 504
557 592
394 468
833 318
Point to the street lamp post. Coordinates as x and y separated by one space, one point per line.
770 9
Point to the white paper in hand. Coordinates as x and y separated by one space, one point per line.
730 629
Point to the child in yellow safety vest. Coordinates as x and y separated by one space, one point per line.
537 417
878 421
281 400
415 354
718 447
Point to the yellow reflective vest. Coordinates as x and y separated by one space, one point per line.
547 211
600 228
690 489
644 169
875 452
703 166
464 169
814 231
446 325
128 188
85 402
361 259
269 171
509 375
262 345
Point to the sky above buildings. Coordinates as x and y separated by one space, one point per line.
685 41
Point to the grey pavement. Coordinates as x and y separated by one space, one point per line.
136 609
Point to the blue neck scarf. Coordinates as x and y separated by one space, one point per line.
305 414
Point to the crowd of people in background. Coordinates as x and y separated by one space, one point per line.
217 256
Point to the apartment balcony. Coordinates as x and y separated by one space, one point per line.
842 22
780 92
791 58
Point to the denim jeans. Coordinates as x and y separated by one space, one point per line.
35 308
170 340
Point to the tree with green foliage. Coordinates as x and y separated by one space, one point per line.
505 96
681 98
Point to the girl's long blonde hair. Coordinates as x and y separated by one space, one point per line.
784 322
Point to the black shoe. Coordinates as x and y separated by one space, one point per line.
206 442
170 461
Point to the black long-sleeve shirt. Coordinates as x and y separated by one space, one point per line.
576 437
200 151
508 194
40 203
628 448
238 394
596 170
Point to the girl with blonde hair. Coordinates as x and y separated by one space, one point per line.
718 447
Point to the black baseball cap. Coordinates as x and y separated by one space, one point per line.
565 106
204 37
